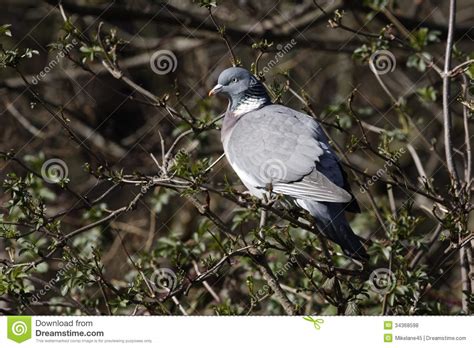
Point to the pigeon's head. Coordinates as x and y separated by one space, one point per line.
241 88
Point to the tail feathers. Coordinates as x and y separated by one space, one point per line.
330 220
347 239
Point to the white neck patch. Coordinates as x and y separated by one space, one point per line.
248 104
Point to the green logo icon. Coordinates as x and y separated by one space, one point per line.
387 325
316 322
387 338
19 328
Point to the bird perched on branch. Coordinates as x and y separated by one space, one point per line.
274 147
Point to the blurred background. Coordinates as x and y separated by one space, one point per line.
61 102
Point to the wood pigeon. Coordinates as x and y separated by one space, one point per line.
271 146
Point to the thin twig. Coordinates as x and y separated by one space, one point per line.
447 93
206 284
467 138
223 34
272 281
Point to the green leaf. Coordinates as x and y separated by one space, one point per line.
428 94
414 61
4 30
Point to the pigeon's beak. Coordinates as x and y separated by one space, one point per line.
217 88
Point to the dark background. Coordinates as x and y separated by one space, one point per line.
116 128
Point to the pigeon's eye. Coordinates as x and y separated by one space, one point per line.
234 80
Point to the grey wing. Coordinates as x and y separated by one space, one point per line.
330 166
279 146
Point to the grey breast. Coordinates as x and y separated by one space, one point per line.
282 147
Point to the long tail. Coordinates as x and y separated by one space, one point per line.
331 221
